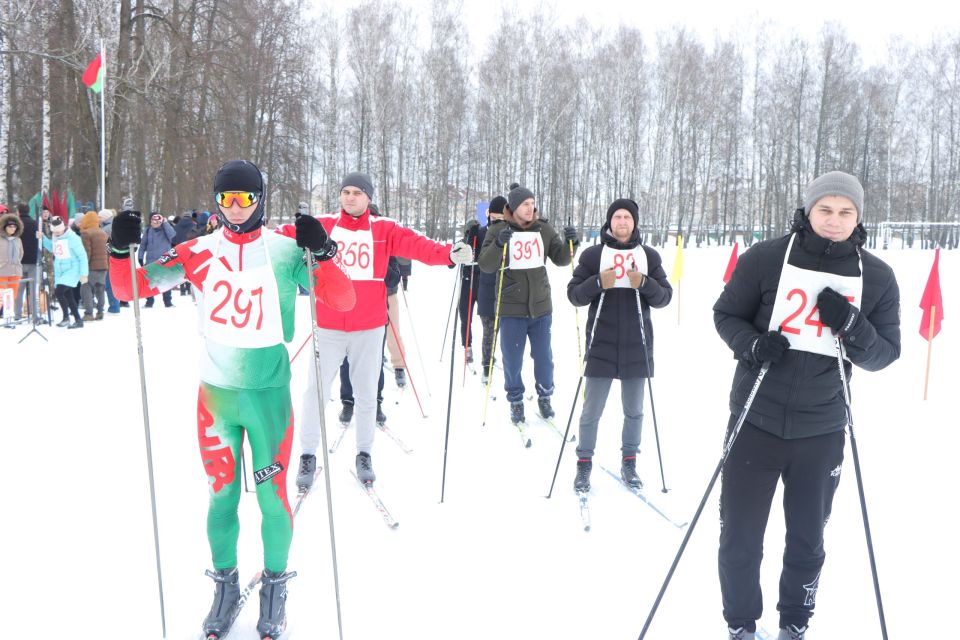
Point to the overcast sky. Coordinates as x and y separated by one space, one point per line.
869 24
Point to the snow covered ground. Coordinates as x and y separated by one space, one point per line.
495 559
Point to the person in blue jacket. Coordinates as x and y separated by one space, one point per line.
70 267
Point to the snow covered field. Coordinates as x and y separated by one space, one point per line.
495 559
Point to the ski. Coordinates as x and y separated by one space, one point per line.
553 426
303 493
372 494
242 600
582 496
343 431
522 430
390 434
640 494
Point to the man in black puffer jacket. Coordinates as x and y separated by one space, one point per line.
786 303
622 279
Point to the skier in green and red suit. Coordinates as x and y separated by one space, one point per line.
246 283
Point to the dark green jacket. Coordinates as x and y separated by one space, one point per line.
526 292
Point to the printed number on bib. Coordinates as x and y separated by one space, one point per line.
792 323
622 261
354 254
61 249
526 250
240 312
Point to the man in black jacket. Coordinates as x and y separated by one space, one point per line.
29 263
621 279
486 294
787 302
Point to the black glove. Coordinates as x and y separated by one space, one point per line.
311 235
569 233
503 238
126 230
470 231
835 311
769 347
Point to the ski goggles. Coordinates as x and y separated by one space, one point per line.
242 198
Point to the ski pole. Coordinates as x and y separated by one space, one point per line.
146 428
446 437
315 332
653 409
496 326
706 494
416 343
576 395
403 358
576 310
467 336
453 296
863 500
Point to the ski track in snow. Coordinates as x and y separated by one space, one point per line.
495 559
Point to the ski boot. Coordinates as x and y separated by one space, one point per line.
546 411
628 471
308 468
516 412
469 355
346 414
792 632
400 375
225 599
381 416
582 481
365 468
273 603
740 633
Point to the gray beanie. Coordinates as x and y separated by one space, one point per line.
834 183
517 196
359 180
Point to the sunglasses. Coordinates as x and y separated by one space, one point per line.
242 198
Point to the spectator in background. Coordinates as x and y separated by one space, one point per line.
95 244
157 240
11 255
29 263
70 267
183 231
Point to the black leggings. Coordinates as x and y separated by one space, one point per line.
67 298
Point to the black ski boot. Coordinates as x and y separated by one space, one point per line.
792 632
224 609
582 481
740 633
308 469
400 375
628 471
469 355
516 412
273 603
365 468
381 416
346 414
543 402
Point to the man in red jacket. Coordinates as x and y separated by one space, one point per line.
365 245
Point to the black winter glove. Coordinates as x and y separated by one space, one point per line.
127 229
311 235
769 347
470 231
569 233
835 311
503 238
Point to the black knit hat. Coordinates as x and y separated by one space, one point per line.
624 203
240 175
517 196
496 205
359 180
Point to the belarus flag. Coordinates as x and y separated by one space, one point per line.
93 76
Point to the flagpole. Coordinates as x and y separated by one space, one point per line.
933 320
103 129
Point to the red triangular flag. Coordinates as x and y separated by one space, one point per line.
732 264
932 300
